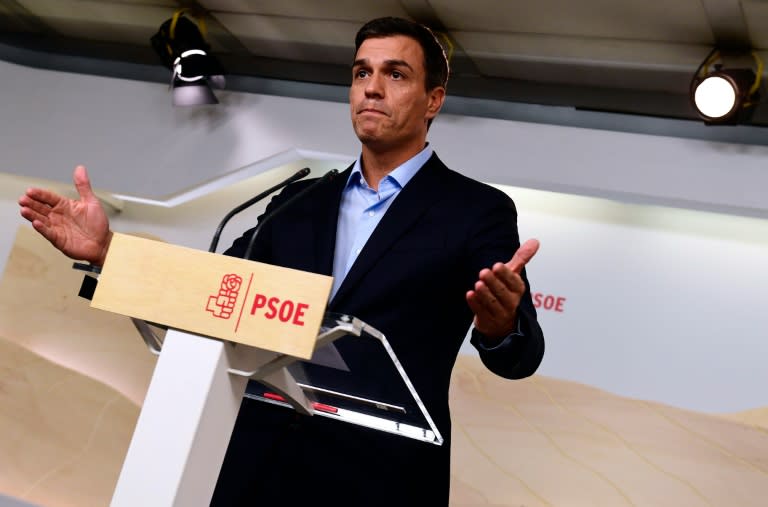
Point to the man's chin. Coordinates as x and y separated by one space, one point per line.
374 139
376 143
367 136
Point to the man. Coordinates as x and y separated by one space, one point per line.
416 250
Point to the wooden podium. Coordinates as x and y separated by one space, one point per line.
229 320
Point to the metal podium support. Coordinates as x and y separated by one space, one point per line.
194 397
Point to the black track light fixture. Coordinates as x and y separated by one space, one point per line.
180 44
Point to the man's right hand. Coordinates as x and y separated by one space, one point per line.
79 228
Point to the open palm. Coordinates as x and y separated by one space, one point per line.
79 228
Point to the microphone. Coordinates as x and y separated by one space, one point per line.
326 177
250 202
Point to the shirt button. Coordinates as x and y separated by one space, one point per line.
358 251
371 213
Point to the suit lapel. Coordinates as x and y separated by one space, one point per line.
325 219
417 196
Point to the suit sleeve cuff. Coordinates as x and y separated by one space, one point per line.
479 340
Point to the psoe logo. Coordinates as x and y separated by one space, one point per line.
222 304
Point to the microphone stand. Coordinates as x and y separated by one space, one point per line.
250 202
326 177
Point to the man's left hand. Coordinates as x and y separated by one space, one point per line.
498 292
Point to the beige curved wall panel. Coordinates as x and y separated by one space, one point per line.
72 379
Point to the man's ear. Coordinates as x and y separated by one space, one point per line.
436 100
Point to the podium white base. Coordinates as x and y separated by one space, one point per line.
184 427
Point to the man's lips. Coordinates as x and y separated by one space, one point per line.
371 111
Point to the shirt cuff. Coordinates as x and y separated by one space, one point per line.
479 339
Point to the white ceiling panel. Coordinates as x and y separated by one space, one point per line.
652 20
638 54
293 38
79 8
325 32
343 10
756 15
583 61
572 49
340 10
171 4
127 22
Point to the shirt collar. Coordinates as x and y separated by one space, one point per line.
401 175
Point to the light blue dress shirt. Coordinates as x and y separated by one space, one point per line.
361 211
362 208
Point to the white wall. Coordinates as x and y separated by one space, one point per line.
127 131
660 303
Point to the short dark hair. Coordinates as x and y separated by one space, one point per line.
435 61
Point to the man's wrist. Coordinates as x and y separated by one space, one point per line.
103 255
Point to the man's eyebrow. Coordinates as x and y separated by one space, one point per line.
388 63
398 63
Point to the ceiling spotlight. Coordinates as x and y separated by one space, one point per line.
181 46
725 96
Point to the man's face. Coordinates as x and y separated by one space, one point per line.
389 102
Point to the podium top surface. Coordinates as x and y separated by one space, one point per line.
264 306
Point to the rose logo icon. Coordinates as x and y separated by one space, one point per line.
222 304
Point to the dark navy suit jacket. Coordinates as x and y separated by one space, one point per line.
409 282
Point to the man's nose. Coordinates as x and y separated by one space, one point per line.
374 86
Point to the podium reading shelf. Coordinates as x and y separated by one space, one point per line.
225 321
